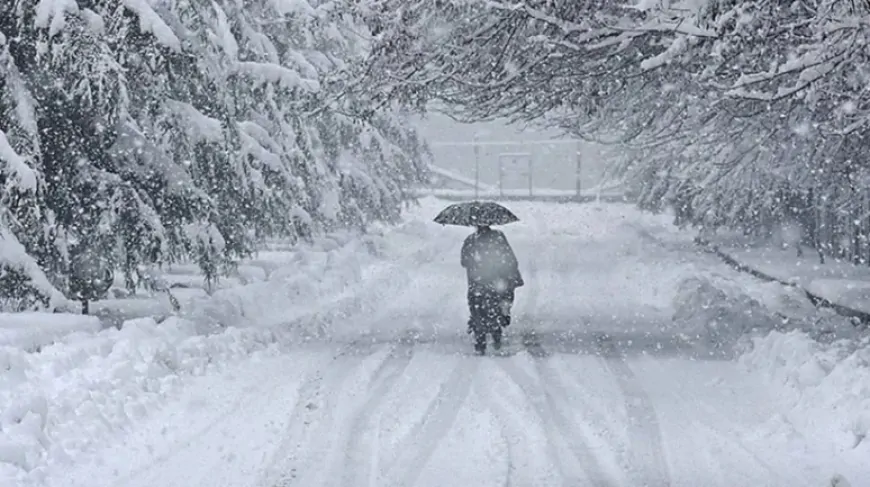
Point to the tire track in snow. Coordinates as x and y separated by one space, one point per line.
501 413
520 445
647 462
543 396
435 423
190 440
579 449
529 341
647 435
361 458
242 401
311 424
714 427
509 467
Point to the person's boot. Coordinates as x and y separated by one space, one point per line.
496 339
480 342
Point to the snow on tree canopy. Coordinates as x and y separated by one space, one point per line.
696 98
95 22
143 158
228 41
252 146
299 7
330 204
189 131
205 234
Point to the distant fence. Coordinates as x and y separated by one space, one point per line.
538 170
609 195
535 166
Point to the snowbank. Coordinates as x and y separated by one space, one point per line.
850 293
721 310
75 393
610 266
83 388
303 275
32 330
334 279
842 283
718 313
825 389
815 361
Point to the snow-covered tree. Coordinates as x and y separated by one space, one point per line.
149 132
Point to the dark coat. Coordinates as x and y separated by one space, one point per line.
490 262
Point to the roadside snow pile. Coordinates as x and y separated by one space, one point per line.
715 311
815 361
59 403
318 286
825 387
32 330
274 288
721 310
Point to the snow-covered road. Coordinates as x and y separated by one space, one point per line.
597 385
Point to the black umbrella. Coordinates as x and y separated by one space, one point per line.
475 213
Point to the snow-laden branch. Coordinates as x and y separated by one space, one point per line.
14 256
23 177
150 21
274 73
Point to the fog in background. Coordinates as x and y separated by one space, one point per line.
553 164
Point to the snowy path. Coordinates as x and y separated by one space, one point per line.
586 392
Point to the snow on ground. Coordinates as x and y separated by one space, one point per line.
824 390
351 367
32 330
841 282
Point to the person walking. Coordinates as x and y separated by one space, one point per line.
493 275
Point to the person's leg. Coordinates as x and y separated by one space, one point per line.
496 338
490 310
480 339
506 301
474 306
501 304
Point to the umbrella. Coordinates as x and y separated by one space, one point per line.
474 213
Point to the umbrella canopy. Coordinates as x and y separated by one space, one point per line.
475 213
